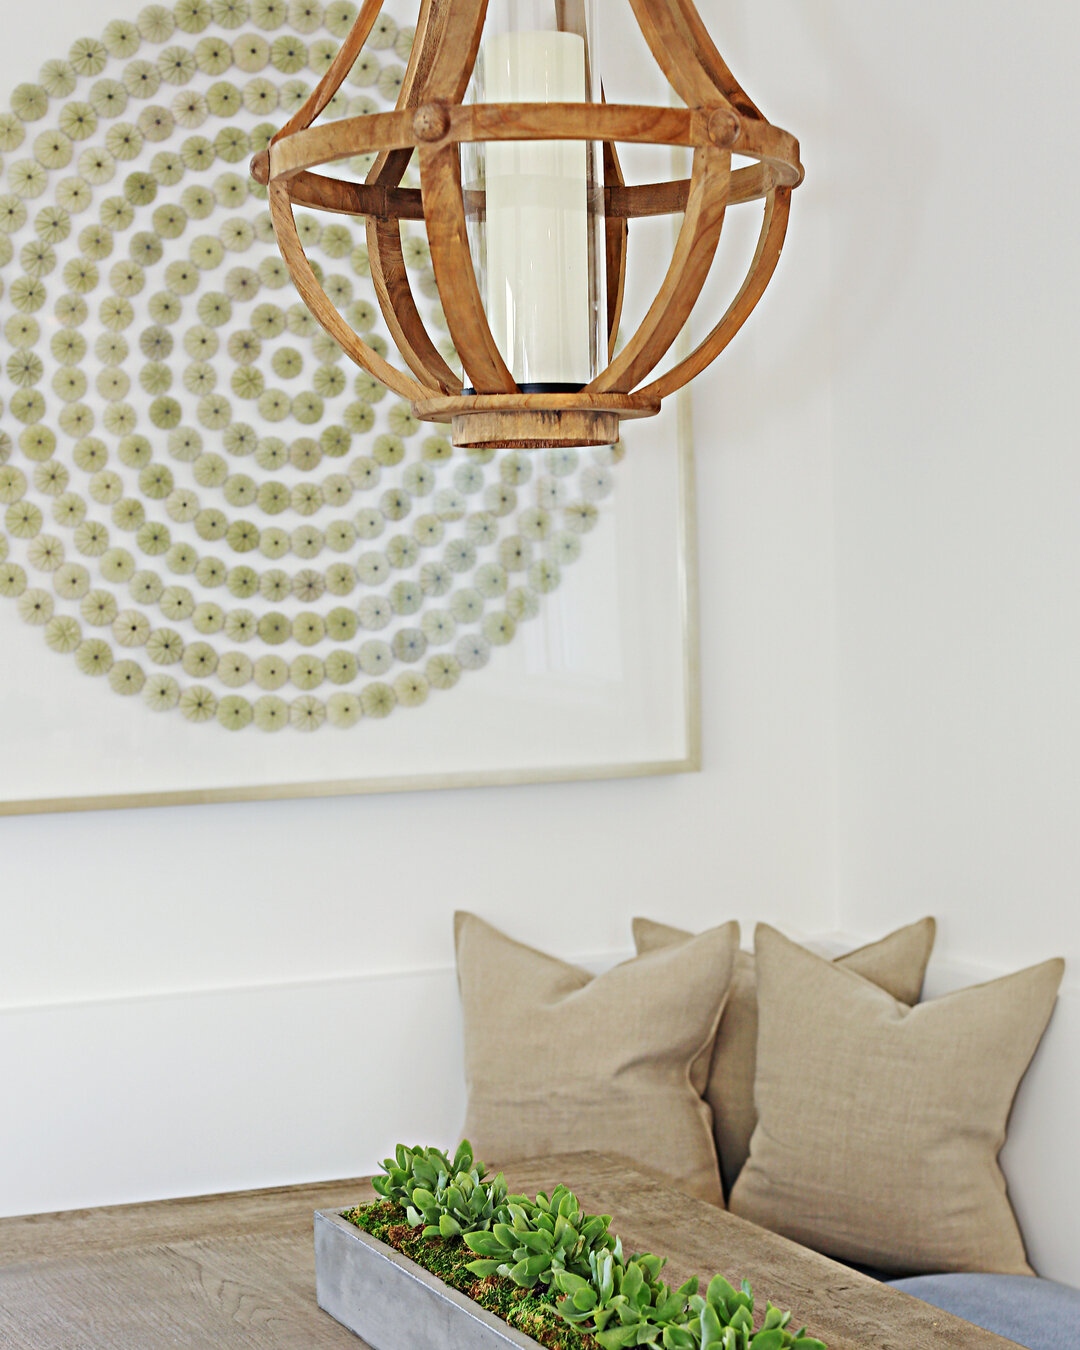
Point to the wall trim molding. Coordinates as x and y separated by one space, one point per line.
592 961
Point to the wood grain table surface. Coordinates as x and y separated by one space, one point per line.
237 1270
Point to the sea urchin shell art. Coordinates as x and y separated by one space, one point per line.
205 506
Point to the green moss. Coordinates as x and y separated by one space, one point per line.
529 1310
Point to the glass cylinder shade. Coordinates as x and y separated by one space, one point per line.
535 209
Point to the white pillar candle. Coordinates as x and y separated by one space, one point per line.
537 218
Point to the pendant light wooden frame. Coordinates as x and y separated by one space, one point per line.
718 120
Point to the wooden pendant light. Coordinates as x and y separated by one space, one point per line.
432 121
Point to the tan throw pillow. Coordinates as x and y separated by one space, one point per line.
897 963
880 1125
559 1061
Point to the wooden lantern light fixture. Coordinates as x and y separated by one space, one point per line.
526 212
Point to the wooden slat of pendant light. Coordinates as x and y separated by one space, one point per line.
697 35
393 289
635 200
386 259
579 121
318 145
316 299
445 48
327 142
766 256
454 55
616 235
336 71
664 28
643 125
444 211
390 165
342 197
694 251
570 17
631 201
615 240
444 206
285 226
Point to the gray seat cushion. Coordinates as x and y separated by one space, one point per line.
1035 1313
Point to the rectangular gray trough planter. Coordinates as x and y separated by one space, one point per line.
394 1304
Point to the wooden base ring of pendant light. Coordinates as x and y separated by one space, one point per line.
536 421
430 120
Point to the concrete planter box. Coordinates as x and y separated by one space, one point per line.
394 1304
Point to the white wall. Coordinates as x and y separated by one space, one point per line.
957 513
171 1026
206 998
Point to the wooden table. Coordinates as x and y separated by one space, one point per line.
237 1270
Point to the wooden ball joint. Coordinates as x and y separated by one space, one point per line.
432 121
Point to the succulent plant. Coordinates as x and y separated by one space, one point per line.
411 1167
549 1242
725 1320
626 1304
447 1196
458 1202
530 1242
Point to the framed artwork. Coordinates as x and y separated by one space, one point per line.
231 564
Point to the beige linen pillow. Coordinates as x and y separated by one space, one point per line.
897 963
558 1061
880 1125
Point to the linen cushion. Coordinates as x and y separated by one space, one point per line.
557 1060
896 963
1038 1314
879 1125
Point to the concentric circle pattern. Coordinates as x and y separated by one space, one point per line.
204 505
